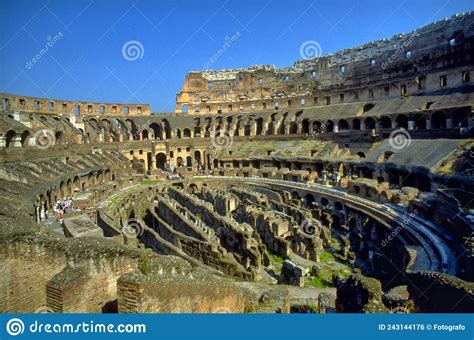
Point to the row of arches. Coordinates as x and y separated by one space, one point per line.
67 187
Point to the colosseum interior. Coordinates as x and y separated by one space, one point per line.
343 183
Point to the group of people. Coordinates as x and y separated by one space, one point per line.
175 176
62 206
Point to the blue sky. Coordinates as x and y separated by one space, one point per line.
86 59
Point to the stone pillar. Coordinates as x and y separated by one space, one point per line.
336 127
3 142
411 125
337 175
449 123
362 125
428 124
17 142
153 161
324 176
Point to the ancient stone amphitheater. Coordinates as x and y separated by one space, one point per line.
343 183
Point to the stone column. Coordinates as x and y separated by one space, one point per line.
17 142
153 161
336 127
449 123
411 125
428 124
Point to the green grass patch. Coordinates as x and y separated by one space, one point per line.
275 258
317 282
326 255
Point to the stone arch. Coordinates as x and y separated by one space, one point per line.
338 206
25 136
259 129
329 126
356 124
385 122
305 126
187 133
167 128
161 160
197 157
293 128
317 127
58 136
420 121
157 131
179 162
369 123
438 120
295 195
402 121
460 117
10 137
310 200
343 125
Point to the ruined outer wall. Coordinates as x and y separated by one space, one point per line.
34 104
405 64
